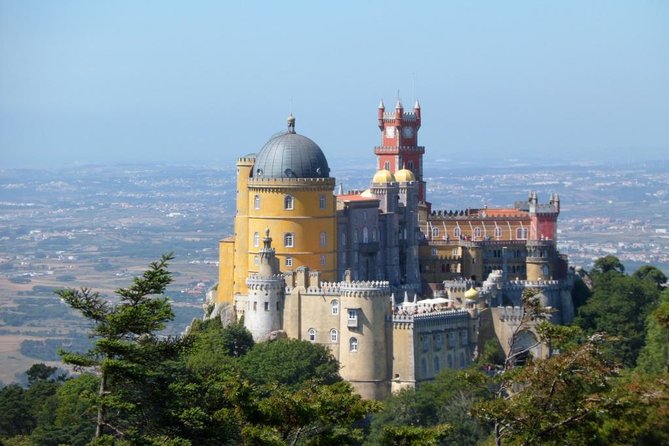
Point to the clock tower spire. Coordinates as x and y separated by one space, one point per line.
399 142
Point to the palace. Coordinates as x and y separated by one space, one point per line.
397 291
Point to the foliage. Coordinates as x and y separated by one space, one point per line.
654 357
619 307
290 362
446 401
608 264
651 273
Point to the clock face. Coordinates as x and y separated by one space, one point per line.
407 132
390 132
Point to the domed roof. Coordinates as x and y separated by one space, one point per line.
289 155
471 294
404 176
383 176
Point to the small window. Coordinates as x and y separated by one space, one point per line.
323 239
457 232
323 260
365 234
334 336
423 366
478 233
322 202
289 240
289 261
410 165
266 306
426 342
256 260
521 233
334 307
353 344
386 165
462 360
343 238
312 334
352 315
255 306
435 232
256 239
498 232
256 202
289 202
438 341
434 251
436 364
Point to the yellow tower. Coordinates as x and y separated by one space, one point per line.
287 189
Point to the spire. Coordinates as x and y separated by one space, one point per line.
291 123
406 297
381 105
399 104
416 106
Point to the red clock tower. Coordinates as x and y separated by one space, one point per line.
399 147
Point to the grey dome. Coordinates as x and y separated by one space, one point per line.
289 155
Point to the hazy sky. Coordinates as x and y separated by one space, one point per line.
193 81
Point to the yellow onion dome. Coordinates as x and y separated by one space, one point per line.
471 294
404 176
383 176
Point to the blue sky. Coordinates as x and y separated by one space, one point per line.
207 81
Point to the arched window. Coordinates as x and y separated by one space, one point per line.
435 232
312 334
289 240
289 261
478 232
288 202
521 233
365 235
334 336
498 232
410 165
436 364
353 344
323 239
334 307
256 239
321 202
324 259
457 232
386 165
256 202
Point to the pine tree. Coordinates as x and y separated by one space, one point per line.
127 353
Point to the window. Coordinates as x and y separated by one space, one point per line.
343 238
288 202
353 344
256 202
289 261
410 165
462 360
312 334
365 234
449 360
352 318
436 364
289 240
256 239
434 251
386 165
478 233
435 232
521 233
438 341
425 340
498 232
266 306
464 338
321 202
256 260
334 336
255 306
423 366
457 232
451 339
334 307
323 239
323 260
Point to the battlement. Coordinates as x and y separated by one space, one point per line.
512 314
246 160
379 150
478 214
402 317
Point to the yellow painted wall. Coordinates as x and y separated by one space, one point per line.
226 249
244 166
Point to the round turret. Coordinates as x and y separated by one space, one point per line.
383 176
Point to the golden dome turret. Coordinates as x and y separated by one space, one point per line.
404 176
471 294
383 176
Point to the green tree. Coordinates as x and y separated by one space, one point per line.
40 372
654 357
127 354
608 264
290 362
619 307
649 272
